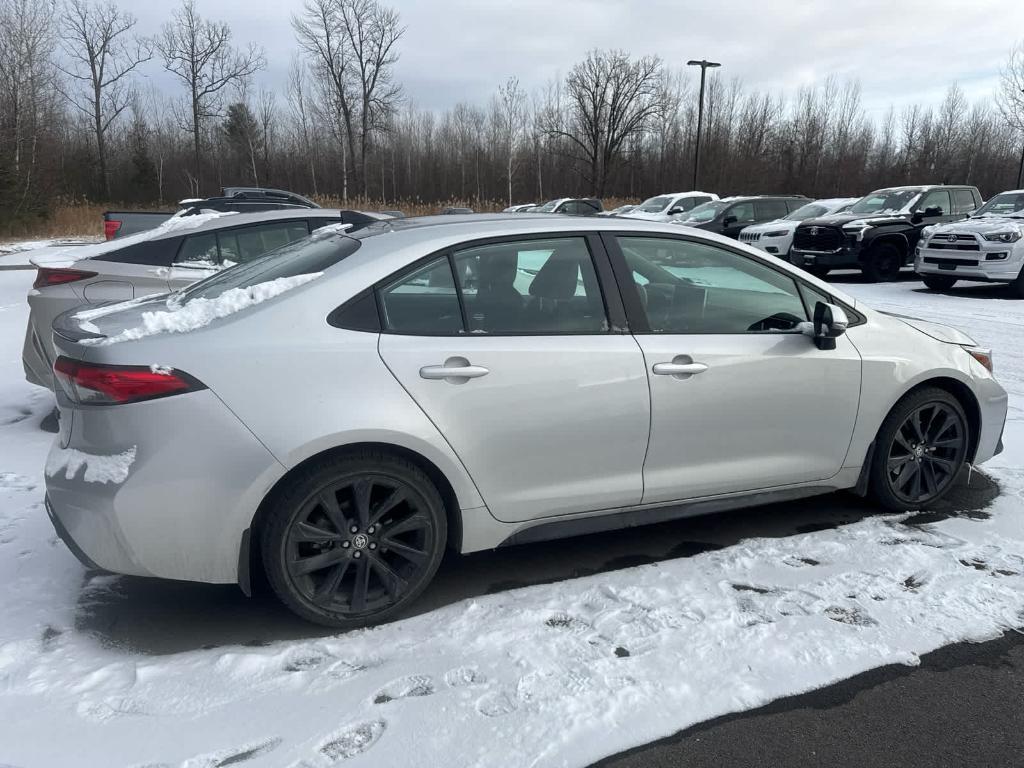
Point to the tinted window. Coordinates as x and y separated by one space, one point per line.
424 302
963 201
770 209
533 286
243 244
937 198
688 287
199 251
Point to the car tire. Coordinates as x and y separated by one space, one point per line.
883 264
819 272
920 449
938 282
1017 286
353 539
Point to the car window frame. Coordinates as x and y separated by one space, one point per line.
637 317
920 207
191 265
285 223
615 313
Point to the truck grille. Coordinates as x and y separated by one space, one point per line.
750 237
954 243
816 238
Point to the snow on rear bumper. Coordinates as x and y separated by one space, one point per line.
162 488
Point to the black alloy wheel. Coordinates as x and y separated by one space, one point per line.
883 263
356 543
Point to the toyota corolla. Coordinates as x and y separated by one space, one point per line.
341 411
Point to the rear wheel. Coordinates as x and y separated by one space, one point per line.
938 282
355 539
883 263
920 449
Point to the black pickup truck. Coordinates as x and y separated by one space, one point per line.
880 231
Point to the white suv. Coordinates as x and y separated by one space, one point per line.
670 206
988 247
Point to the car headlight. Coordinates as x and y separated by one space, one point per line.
857 229
1003 237
926 233
983 356
776 233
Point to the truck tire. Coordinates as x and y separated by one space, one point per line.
1017 286
883 263
938 282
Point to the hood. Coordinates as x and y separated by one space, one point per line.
937 331
768 226
839 219
983 226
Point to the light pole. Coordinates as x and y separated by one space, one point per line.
703 64
1020 170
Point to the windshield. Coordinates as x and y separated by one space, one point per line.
809 211
886 201
706 212
655 204
323 249
1006 204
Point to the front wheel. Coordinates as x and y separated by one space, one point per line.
938 282
920 449
355 539
883 263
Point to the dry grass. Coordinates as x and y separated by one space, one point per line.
80 219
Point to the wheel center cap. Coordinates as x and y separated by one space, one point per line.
359 541
919 451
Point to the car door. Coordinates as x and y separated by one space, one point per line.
517 362
740 399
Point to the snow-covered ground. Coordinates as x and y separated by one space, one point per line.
553 675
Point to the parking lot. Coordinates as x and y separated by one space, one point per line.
654 630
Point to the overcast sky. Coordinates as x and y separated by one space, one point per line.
456 50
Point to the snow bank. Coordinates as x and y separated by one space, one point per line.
98 469
194 313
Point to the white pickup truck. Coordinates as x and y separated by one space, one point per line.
987 247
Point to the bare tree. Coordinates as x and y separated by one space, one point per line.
610 99
102 53
199 52
298 102
1010 98
512 102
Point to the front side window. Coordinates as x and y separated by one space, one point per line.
937 198
768 210
742 212
689 287
532 286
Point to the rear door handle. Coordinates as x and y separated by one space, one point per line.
456 370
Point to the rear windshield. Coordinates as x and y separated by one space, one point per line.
323 249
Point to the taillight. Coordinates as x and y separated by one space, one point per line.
97 384
47 276
110 227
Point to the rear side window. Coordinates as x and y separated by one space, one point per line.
963 201
770 209
424 302
199 251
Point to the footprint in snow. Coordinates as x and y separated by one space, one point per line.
235 755
994 561
405 687
496 704
462 676
352 740
799 562
852 616
14 482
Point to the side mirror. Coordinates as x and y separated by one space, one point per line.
728 221
675 210
830 322
933 210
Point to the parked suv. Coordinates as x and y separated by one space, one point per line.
731 214
879 233
776 236
988 247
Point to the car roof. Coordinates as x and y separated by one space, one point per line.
231 219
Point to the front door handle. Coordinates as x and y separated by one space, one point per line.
681 367
456 370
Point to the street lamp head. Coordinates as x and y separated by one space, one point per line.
703 63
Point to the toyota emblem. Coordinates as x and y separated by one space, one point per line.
814 230
951 238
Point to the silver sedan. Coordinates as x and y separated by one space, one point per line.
341 411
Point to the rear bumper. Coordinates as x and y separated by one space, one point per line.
163 488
